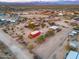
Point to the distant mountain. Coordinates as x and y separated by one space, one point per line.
41 3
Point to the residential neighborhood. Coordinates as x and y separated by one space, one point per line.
39 33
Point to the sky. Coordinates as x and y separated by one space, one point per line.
32 0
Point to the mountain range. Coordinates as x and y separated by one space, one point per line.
41 3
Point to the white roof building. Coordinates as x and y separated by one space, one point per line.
61 14
73 33
54 27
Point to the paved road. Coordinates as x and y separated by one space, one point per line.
34 15
15 47
46 49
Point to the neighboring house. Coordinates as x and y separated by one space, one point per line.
55 28
75 21
72 55
6 18
73 35
73 44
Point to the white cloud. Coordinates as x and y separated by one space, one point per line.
25 0
50 0
70 0
32 0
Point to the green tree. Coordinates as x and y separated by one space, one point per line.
41 38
